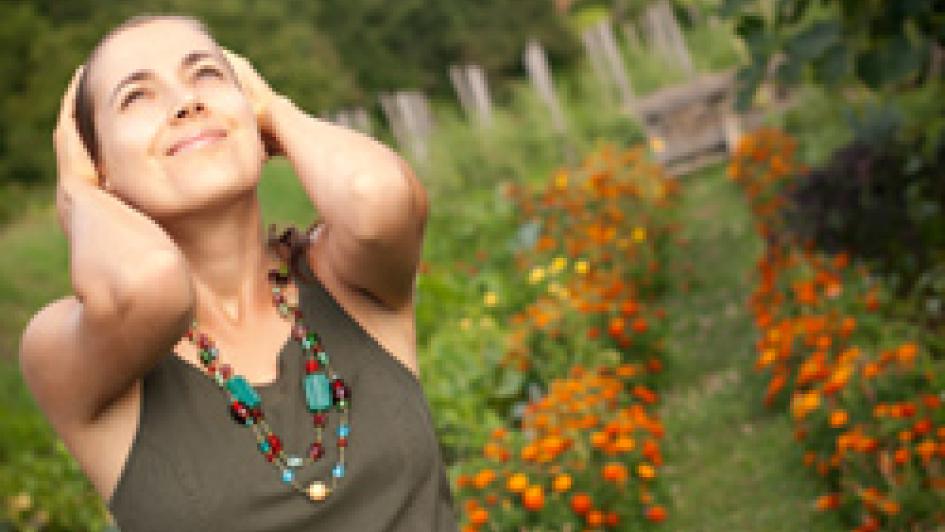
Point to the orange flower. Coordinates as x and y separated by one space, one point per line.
614 472
479 516
838 418
484 478
599 439
830 501
594 518
901 456
906 353
581 503
655 514
533 498
629 307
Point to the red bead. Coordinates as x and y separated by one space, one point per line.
202 341
278 298
270 455
190 334
298 331
315 451
342 442
257 413
212 366
274 443
319 419
239 412
226 371
311 365
297 313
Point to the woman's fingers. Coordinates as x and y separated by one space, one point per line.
75 169
73 160
257 90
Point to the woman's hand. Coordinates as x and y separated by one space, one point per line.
76 170
114 249
260 95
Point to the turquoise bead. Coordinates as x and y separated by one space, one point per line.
338 471
317 392
287 475
243 391
343 431
264 446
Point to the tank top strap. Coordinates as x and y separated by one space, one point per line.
350 332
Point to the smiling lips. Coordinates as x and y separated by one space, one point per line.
201 139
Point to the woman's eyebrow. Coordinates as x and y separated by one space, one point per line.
140 75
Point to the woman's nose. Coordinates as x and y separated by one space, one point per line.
189 108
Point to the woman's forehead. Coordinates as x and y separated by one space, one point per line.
158 46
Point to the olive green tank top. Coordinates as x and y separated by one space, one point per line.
192 467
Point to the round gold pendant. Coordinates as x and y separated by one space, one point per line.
317 491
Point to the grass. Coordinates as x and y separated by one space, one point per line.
730 464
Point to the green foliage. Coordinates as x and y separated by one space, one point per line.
883 45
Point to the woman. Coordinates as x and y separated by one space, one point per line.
160 142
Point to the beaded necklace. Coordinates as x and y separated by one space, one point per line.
321 396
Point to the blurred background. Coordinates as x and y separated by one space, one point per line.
765 128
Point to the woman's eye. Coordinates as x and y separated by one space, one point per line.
208 71
131 96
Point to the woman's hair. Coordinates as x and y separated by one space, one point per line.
84 105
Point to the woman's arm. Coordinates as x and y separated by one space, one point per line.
133 294
372 203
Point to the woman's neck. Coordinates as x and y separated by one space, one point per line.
226 253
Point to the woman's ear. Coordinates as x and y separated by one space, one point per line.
103 181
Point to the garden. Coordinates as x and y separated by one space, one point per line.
607 342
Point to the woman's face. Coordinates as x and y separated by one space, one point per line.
175 131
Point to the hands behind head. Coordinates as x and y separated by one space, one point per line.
260 95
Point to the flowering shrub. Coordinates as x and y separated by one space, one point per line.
865 397
585 452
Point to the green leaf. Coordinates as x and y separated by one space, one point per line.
789 72
813 41
833 65
750 27
747 82
510 384
730 8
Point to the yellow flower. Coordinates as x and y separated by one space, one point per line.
639 234
561 179
558 264
562 483
536 275
657 144
554 288
517 483
581 267
20 502
490 299
624 444
465 324
646 471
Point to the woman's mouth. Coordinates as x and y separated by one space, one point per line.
205 137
